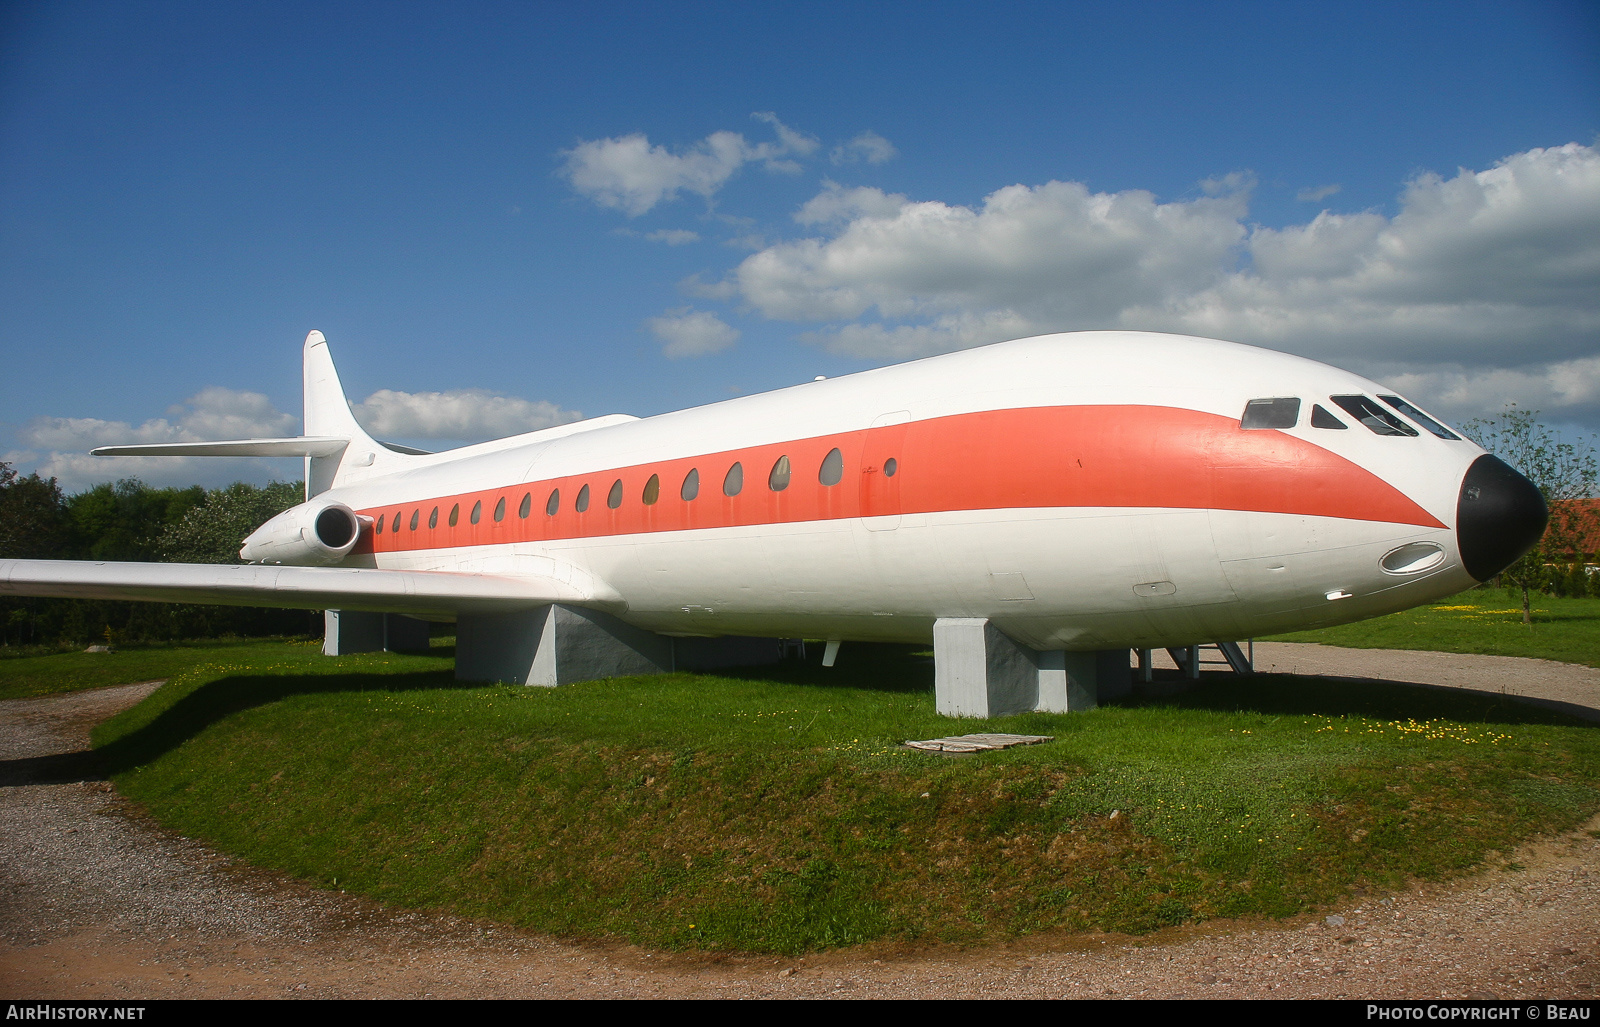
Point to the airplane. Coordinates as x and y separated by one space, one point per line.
1034 508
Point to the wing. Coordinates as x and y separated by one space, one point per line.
421 593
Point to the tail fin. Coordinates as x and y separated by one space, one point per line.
336 449
328 414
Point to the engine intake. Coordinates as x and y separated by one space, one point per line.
313 534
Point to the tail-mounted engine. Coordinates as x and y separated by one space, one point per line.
313 534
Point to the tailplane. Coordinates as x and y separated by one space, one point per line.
336 449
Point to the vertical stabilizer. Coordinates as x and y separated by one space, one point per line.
328 414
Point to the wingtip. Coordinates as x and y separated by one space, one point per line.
315 338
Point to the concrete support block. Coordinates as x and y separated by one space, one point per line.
356 631
555 645
980 671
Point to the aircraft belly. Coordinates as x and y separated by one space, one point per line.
1076 578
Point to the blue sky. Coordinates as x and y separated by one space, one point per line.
505 215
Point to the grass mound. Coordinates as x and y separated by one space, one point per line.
777 811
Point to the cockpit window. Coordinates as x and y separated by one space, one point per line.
1282 412
1320 418
1421 418
1374 416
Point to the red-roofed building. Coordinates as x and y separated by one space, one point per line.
1582 517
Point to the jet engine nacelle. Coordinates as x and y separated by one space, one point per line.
313 534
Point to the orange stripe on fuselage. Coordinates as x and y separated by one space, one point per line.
1033 457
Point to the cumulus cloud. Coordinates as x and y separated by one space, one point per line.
1494 273
627 173
673 236
1316 194
458 414
869 146
836 204
1052 256
1568 388
1498 267
58 446
692 333
213 413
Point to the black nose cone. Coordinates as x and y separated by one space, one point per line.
1500 516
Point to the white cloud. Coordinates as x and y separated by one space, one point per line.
837 204
869 146
673 236
696 286
692 333
213 413
1053 256
629 174
1498 267
1494 273
220 413
789 141
1317 194
1569 388
458 414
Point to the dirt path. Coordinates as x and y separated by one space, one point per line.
97 902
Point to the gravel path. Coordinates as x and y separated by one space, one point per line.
97 902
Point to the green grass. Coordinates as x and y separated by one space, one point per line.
1478 621
778 812
33 673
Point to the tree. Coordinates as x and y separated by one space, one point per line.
213 531
1564 473
32 520
121 520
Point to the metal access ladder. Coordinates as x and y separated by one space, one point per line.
1240 659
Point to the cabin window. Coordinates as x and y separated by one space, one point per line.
500 509
379 529
778 480
733 484
1281 412
691 484
614 497
455 514
1320 418
890 466
1421 418
832 470
652 490
527 505
1373 416
552 504
414 515
477 511
433 518
583 500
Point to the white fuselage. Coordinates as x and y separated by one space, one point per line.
1085 491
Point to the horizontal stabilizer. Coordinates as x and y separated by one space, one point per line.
421 593
304 445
